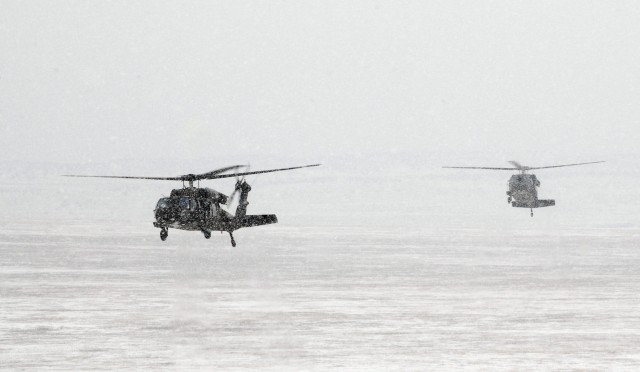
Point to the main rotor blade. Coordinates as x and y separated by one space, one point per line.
128 177
483 168
186 177
258 172
516 164
567 165
205 176
193 177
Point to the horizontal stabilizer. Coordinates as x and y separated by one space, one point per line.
545 203
256 220
536 204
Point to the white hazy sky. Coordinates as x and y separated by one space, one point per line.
89 80
361 85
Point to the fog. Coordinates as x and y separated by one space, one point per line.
382 89
549 81
382 93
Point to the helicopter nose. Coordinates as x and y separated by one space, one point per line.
164 215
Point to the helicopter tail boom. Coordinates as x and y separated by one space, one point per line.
256 220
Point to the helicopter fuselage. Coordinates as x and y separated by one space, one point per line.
523 192
190 208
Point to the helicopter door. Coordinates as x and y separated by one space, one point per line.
208 208
214 209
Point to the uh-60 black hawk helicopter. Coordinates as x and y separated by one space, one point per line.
198 209
523 191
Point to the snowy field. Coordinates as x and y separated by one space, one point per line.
89 296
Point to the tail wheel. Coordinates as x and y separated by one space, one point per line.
163 234
207 234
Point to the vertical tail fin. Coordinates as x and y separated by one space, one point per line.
244 187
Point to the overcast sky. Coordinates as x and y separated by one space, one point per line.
151 79
365 83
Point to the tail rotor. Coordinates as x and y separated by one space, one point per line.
238 186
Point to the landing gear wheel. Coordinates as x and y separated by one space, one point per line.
233 241
207 234
531 212
163 234
509 200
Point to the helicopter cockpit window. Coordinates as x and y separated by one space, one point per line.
163 203
185 203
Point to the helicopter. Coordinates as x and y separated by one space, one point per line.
523 191
198 208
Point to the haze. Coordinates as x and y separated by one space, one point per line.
381 258
366 87
95 81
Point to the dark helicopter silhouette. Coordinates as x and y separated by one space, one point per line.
198 209
523 192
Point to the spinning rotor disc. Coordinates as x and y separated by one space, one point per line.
524 168
214 174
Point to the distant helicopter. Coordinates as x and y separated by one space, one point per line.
198 209
523 191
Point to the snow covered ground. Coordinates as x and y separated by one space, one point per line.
79 296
